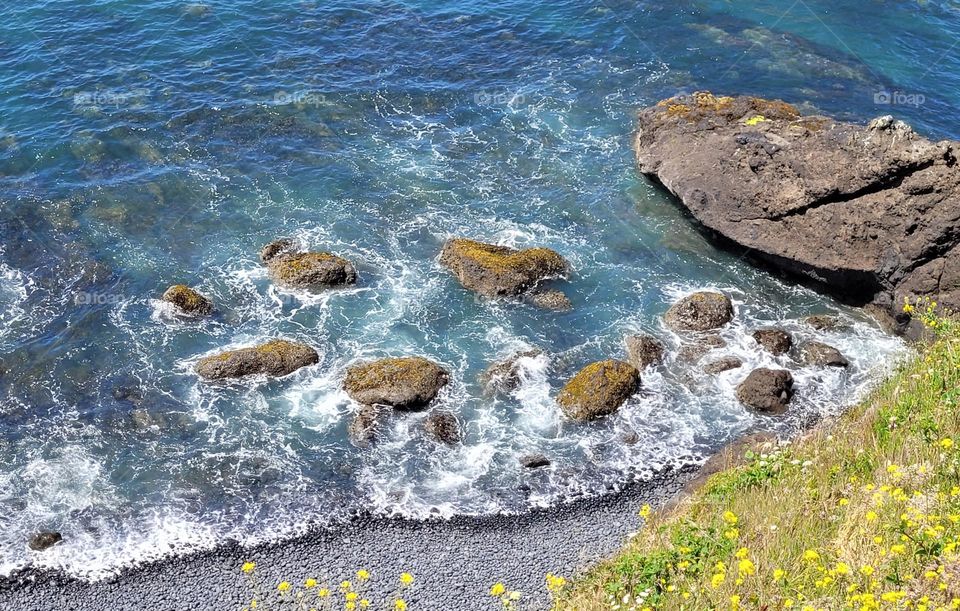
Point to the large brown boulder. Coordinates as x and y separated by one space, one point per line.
766 390
405 383
701 311
497 271
870 212
275 358
599 389
187 300
311 270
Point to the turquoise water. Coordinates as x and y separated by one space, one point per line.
143 144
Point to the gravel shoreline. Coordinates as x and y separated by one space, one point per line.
455 561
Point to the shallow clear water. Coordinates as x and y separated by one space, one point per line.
143 144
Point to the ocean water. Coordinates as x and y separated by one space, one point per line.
148 143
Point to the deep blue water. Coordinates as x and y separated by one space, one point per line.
148 143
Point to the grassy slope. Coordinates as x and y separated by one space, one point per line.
861 514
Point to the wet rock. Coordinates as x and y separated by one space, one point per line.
643 350
534 461
44 540
823 322
311 270
868 212
818 354
766 390
364 427
550 300
443 427
774 341
187 300
700 311
127 393
497 271
405 383
722 364
599 389
505 376
275 358
143 419
630 437
693 352
282 246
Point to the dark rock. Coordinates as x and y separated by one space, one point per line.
722 364
766 390
630 437
283 246
774 341
311 270
143 419
818 354
643 350
443 427
505 376
700 311
599 389
405 383
127 393
187 300
44 540
696 350
364 427
495 271
550 300
869 212
534 461
275 358
823 322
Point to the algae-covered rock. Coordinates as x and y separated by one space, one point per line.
187 300
443 427
311 270
275 358
700 311
822 355
774 341
496 271
766 390
405 383
643 350
599 389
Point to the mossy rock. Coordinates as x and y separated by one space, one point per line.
598 390
497 271
701 311
405 383
311 270
187 300
275 358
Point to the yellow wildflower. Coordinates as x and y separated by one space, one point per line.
811 555
866 570
248 567
406 578
498 589
345 585
946 443
323 592
745 567
363 575
730 518
400 605
645 511
779 574
283 586
351 596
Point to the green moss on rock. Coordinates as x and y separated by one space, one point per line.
598 390
495 271
404 383
187 300
274 358
311 270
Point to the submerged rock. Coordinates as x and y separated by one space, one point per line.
599 389
700 311
443 427
774 341
766 390
44 540
311 270
643 350
405 383
505 376
275 358
364 427
722 364
550 300
498 271
695 351
282 246
534 461
869 212
187 300
823 322
819 354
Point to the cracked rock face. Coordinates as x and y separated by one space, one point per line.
871 212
